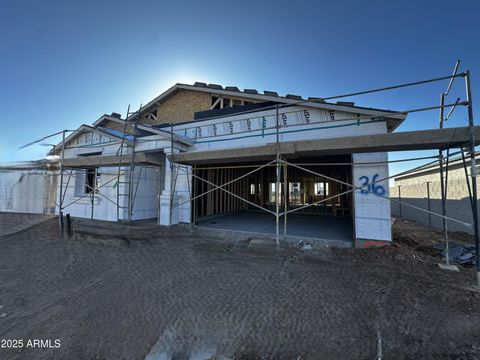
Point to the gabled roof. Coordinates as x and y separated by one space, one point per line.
42 164
144 129
113 117
269 96
87 128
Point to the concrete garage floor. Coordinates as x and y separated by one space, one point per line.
301 226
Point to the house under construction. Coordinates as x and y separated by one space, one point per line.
121 169
243 162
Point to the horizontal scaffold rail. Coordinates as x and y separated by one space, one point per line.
401 141
112 160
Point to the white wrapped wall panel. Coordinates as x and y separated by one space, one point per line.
372 212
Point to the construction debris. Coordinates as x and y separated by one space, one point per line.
461 254
304 245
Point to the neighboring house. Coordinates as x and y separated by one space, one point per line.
422 189
28 187
220 134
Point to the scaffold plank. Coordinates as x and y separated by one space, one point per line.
112 160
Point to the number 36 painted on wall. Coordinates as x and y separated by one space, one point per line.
368 187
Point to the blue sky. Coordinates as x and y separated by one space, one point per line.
68 62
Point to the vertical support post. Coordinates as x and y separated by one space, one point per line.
69 226
60 201
400 200
429 204
444 182
132 170
222 197
159 191
286 198
277 183
171 174
473 174
190 195
119 169
194 190
325 196
216 194
466 178
442 187
92 200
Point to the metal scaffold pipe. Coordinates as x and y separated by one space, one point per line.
473 174
396 86
442 187
131 195
222 186
192 198
171 174
286 195
60 202
450 83
92 193
277 183
444 179
354 187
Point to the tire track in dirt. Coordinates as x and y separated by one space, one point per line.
107 298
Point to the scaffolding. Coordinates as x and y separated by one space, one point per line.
130 195
125 162
280 162
124 179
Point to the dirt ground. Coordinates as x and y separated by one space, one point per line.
115 292
11 223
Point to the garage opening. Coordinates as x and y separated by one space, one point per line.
318 207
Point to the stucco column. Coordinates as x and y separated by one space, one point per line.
166 202
183 193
